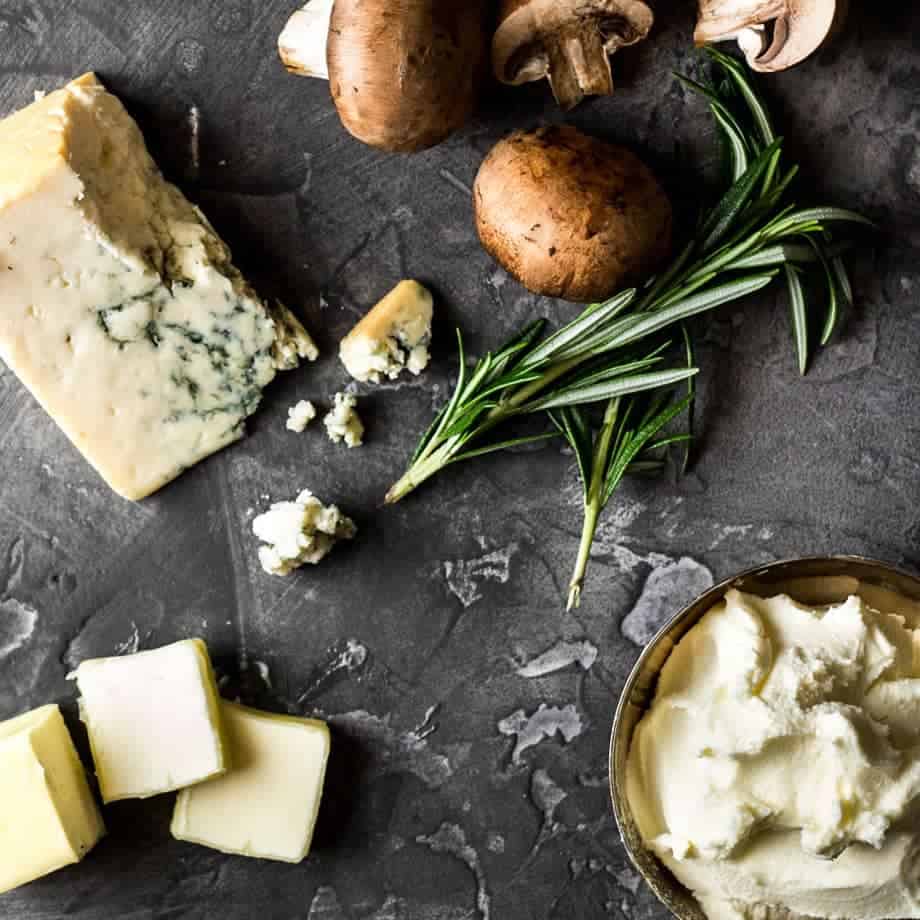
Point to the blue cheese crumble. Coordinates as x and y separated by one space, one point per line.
343 423
299 532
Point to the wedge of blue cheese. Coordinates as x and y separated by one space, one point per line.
120 308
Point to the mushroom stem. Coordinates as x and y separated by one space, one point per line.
578 67
752 41
302 42
569 42
773 34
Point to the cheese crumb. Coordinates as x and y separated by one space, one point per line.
300 415
394 335
299 532
343 423
292 341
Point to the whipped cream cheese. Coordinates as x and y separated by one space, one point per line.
777 770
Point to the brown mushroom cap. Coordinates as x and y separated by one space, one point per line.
571 216
567 41
773 34
404 74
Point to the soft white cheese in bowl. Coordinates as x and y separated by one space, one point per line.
765 760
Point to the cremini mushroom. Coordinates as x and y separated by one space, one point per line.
571 216
404 74
302 42
773 34
567 41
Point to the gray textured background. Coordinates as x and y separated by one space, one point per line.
461 785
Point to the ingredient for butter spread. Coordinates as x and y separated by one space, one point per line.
778 767
615 348
628 440
300 415
569 42
394 335
570 216
292 342
120 308
299 532
773 34
404 76
153 720
267 805
342 421
48 817
302 42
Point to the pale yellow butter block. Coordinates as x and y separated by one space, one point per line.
120 307
48 817
154 720
266 806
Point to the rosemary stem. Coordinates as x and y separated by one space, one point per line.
525 393
422 469
434 460
594 501
589 526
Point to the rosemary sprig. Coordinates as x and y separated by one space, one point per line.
626 442
613 351
529 374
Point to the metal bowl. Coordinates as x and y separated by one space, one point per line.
812 580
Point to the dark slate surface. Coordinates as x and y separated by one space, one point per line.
452 792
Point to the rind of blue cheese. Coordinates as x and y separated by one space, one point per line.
120 308
394 335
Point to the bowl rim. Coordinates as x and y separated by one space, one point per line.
704 601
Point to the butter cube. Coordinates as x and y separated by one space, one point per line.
153 720
48 817
266 806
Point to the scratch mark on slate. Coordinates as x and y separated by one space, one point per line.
261 669
670 586
194 141
130 645
560 656
342 659
15 565
458 184
629 880
495 842
547 795
451 839
325 905
246 600
307 175
17 625
465 576
427 726
396 752
544 722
